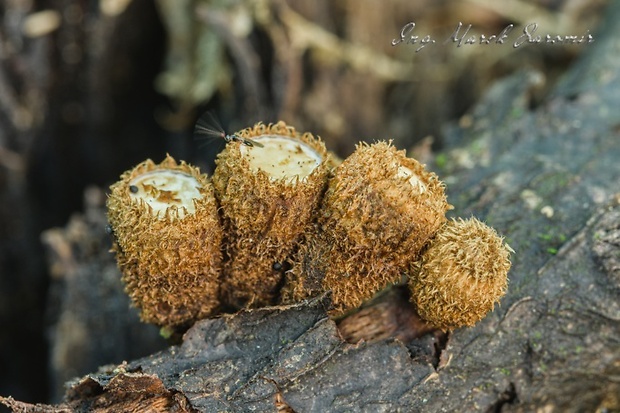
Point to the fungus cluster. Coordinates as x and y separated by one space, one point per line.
280 222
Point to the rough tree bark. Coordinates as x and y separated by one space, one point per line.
549 179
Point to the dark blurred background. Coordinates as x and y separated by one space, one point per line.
90 88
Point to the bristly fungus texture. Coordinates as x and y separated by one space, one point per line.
268 197
379 210
167 241
461 275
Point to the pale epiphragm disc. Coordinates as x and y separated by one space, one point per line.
379 210
167 241
461 275
268 197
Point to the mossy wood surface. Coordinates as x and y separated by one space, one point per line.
548 179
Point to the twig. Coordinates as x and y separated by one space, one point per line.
305 34
245 57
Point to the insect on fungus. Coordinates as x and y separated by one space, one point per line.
246 182
208 125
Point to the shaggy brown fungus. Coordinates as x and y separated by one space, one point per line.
167 241
379 210
268 197
461 275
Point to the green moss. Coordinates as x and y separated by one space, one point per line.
166 332
545 237
441 160
516 112
548 184
552 237
477 147
552 240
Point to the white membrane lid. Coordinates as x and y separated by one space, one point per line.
163 189
282 157
415 182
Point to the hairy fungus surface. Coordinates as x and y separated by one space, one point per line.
379 210
280 222
167 241
461 275
268 197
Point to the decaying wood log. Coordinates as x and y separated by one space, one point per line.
548 179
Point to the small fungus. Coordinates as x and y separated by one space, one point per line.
461 274
379 210
167 241
268 197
